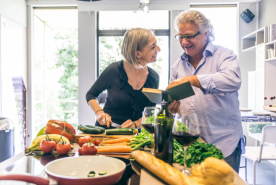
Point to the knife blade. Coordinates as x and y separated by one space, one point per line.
116 125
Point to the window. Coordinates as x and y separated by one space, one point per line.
111 28
55 67
224 20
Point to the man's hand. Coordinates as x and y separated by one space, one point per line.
174 106
192 79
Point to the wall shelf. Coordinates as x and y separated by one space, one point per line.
270 59
270 43
251 49
254 39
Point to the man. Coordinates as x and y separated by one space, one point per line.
214 73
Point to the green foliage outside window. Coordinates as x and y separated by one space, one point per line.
67 62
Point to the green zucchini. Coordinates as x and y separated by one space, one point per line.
119 131
91 126
91 174
102 172
88 130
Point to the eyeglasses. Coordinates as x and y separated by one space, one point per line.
187 37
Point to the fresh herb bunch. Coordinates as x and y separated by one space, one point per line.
150 120
142 139
198 152
178 152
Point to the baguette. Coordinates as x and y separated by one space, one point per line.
211 171
161 169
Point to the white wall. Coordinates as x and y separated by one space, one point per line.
247 61
15 10
267 13
87 63
175 50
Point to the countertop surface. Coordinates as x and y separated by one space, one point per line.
33 164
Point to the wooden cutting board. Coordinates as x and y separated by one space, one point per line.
100 137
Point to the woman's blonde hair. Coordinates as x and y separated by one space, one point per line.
195 17
134 40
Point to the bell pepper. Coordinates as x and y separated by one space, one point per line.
57 127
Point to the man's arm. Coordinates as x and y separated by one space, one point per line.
226 79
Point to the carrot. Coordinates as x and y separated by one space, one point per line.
120 140
110 149
123 143
117 137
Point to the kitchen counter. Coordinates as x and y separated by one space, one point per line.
33 164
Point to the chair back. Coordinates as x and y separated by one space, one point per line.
269 134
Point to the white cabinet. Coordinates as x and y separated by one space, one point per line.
254 44
265 75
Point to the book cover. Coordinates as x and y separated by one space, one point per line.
177 92
272 32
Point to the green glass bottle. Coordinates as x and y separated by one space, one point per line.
163 137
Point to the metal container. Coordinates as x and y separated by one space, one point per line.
6 139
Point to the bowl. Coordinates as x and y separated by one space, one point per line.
75 170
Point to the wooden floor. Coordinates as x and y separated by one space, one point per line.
265 172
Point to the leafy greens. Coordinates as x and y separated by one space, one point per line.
196 153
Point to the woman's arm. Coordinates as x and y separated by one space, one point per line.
101 84
103 118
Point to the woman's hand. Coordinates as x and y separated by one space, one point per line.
104 119
128 124
174 106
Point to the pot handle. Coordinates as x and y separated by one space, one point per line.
26 178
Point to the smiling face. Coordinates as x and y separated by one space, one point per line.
193 47
149 52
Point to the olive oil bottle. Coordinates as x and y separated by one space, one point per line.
163 137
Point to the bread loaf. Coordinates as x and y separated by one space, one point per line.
161 169
211 171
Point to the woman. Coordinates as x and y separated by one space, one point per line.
124 81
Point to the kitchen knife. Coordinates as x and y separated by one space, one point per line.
116 125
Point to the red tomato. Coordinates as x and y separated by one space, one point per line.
97 142
84 140
89 149
79 150
63 147
47 146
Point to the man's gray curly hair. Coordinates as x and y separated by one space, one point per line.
195 17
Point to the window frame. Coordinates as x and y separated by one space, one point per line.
112 33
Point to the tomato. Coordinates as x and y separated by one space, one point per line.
47 146
63 147
79 150
89 149
84 140
97 142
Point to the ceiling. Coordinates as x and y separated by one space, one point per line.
58 18
105 2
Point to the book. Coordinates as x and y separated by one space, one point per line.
177 92
272 32
268 54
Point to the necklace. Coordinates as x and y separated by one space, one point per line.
138 84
